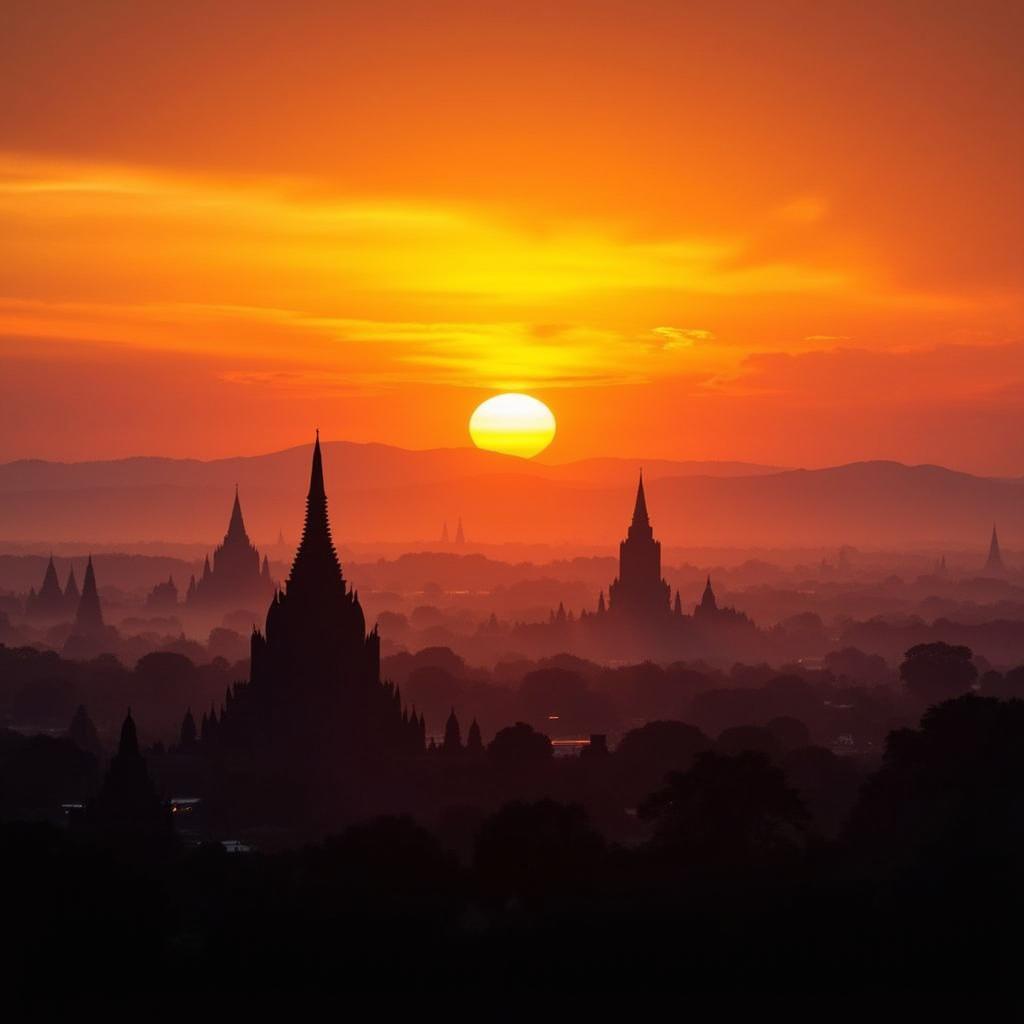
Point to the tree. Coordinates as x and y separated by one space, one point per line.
949 793
937 671
727 810
667 744
538 852
520 745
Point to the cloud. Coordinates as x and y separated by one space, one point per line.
939 375
672 338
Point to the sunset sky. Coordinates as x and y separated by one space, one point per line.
787 232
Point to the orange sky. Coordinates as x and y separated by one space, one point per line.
786 232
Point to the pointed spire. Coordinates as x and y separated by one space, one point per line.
71 592
452 735
678 606
316 566
707 601
444 532
460 537
640 516
236 525
129 745
600 604
50 593
187 736
995 555
89 617
316 475
474 742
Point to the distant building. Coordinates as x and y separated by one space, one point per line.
708 612
71 593
708 603
127 808
641 619
51 602
236 578
994 565
89 616
163 597
639 591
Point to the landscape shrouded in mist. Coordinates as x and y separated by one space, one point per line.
511 496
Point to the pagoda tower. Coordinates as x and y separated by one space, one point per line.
89 617
314 687
48 602
708 604
236 577
994 565
639 591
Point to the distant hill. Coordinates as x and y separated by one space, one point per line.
382 493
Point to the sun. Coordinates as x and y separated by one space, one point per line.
512 424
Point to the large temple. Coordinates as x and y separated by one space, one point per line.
236 578
314 691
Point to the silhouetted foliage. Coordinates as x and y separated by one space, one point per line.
937 671
539 853
519 745
727 811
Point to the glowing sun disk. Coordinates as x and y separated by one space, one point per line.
512 424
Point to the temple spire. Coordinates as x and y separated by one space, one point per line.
50 590
89 617
236 527
316 475
316 562
129 744
707 601
640 509
995 555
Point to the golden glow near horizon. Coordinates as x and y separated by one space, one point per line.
512 424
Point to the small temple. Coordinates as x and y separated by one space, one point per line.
639 590
994 564
236 577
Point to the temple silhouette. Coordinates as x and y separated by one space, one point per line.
163 597
641 618
89 616
639 590
994 564
236 578
51 601
314 690
127 810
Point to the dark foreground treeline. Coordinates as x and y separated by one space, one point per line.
733 887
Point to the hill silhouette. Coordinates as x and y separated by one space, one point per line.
384 493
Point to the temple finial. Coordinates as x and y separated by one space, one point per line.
640 508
